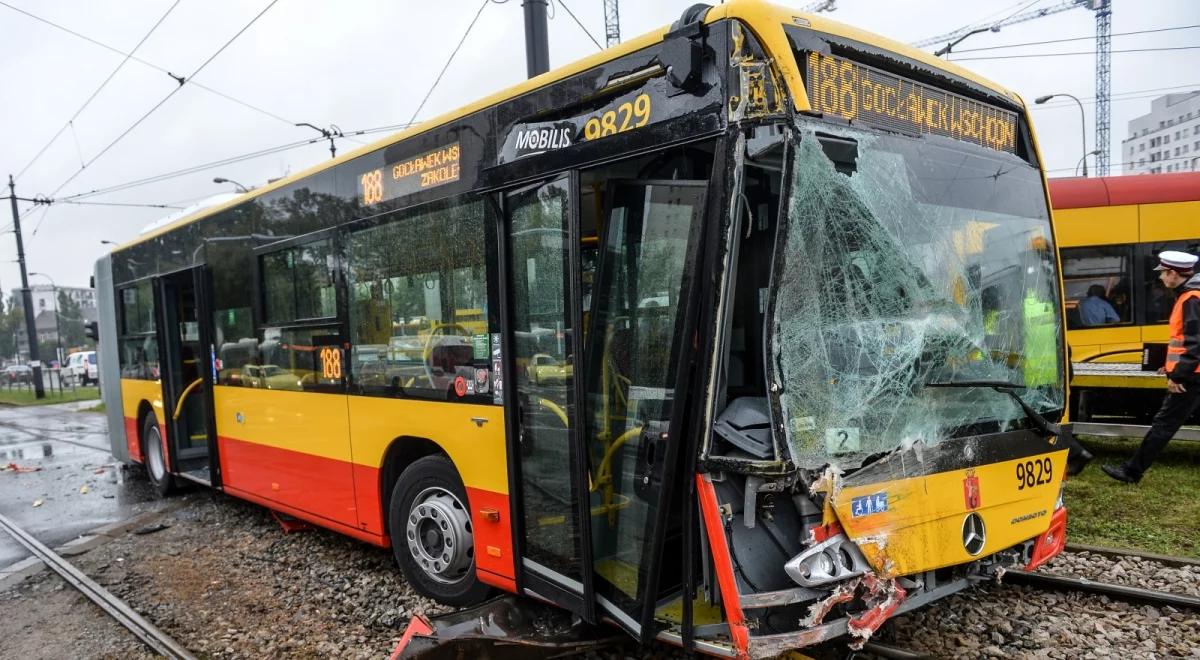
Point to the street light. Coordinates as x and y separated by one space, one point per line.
1093 152
57 327
240 187
1082 123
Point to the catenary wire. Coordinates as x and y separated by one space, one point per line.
1081 52
158 105
1059 41
448 61
70 122
577 22
143 62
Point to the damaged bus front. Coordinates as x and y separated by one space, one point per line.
888 380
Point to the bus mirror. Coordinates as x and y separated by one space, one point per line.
683 49
92 329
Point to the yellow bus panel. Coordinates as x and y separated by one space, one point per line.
1100 225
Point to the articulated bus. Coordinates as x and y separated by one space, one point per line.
1110 231
744 334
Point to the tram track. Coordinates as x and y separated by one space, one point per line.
147 632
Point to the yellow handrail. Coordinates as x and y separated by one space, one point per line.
554 408
186 391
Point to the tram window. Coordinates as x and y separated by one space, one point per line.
1096 283
298 283
418 304
138 344
1159 299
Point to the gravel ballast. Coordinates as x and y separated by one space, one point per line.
225 581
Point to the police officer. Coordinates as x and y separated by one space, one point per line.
1182 368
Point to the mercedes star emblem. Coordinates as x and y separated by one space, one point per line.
974 534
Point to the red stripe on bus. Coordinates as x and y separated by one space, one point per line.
131 439
1074 193
373 539
320 486
370 501
492 531
723 564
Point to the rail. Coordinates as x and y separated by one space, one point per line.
115 607
1116 591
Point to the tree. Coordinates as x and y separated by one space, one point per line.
12 318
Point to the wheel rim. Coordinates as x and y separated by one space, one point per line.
154 456
438 532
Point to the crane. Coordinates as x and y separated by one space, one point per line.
1103 11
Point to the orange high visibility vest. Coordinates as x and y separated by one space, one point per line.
1175 346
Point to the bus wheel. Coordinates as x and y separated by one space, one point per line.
431 533
156 460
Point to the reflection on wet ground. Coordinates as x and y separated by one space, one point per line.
79 485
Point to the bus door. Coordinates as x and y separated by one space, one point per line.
632 414
543 317
187 375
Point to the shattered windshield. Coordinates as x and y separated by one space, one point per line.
904 263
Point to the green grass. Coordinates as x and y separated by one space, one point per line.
23 396
1160 514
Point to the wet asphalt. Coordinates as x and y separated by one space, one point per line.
79 485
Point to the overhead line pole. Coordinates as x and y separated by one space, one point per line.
537 39
35 360
1103 9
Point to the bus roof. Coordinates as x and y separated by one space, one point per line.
765 19
1078 192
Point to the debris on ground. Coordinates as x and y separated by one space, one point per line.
13 467
37 503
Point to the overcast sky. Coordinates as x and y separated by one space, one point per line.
367 63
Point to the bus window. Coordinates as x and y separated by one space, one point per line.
138 344
298 290
1159 299
298 283
418 304
1096 286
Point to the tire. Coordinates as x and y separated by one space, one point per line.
431 532
155 457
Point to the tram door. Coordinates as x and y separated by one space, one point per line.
187 375
543 318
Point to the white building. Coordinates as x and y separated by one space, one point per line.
45 295
1165 140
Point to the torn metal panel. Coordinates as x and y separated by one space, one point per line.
905 262
755 85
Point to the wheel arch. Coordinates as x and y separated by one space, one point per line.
401 453
144 410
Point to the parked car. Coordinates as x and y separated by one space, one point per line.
82 368
545 368
17 373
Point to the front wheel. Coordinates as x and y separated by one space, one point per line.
431 532
156 457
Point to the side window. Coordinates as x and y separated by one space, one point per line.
418 304
138 344
1159 299
300 346
1096 284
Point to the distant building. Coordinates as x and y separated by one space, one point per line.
45 295
1167 139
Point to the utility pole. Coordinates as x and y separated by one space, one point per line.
35 360
537 39
1103 9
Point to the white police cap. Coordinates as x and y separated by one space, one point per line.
1175 260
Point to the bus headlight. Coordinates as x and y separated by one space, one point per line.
832 560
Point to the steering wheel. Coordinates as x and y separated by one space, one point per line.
427 352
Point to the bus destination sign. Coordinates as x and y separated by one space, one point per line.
842 88
428 170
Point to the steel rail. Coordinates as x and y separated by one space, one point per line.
892 652
1118 591
1117 553
115 607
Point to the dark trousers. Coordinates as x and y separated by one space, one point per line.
1176 408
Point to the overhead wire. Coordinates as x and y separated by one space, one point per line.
1081 52
581 27
158 105
143 62
448 61
1059 41
70 122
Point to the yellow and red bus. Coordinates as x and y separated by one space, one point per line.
1110 231
798 284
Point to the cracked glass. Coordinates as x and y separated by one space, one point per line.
909 271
